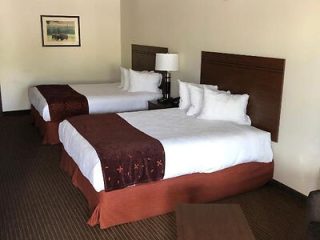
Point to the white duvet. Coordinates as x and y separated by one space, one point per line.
191 145
102 98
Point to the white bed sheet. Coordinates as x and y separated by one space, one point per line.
102 98
191 145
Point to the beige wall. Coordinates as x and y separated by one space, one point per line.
24 62
285 29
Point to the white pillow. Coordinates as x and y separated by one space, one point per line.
225 107
184 93
212 87
125 80
144 81
196 99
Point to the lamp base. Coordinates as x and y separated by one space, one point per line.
168 85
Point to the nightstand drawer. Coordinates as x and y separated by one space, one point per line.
152 105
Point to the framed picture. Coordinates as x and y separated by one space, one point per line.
60 31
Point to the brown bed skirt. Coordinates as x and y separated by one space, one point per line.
48 130
156 198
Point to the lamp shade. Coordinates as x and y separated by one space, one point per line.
167 62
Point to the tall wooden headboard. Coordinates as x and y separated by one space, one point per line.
144 58
260 77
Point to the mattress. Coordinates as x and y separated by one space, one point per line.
191 145
102 98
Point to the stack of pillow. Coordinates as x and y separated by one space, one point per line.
134 81
208 103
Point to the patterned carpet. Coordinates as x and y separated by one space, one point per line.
38 201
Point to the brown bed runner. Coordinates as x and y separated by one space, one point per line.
128 156
63 101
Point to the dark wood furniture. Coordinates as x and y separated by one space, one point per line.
313 215
152 105
212 221
143 58
0 103
260 77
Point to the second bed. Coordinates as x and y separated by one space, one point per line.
76 99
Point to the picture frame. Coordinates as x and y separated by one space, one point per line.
60 31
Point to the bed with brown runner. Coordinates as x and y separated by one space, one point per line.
127 193
50 104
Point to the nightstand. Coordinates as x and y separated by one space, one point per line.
152 105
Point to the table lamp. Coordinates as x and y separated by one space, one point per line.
168 62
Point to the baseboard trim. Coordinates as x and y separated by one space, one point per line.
289 189
16 113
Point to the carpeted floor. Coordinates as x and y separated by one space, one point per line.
38 201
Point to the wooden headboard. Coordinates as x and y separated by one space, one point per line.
260 77
144 58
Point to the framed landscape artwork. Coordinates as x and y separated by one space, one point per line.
60 31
